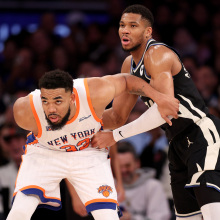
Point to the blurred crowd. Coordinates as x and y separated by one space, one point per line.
94 49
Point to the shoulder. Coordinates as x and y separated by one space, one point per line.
22 108
101 90
21 104
159 52
23 113
126 65
159 58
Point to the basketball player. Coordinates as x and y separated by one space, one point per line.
62 120
194 141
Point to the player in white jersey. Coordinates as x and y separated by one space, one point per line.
62 120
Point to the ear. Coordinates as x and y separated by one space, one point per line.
72 97
148 32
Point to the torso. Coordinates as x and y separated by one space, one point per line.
192 106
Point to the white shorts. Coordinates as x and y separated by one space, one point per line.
89 171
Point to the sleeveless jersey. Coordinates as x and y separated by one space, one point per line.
192 107
76 133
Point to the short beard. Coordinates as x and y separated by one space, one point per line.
132 49
59 125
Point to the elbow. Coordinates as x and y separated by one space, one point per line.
126 82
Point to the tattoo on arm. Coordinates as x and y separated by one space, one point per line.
138 91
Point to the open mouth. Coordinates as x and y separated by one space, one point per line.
125 40
54 118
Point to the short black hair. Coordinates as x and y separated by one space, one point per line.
141 10
126 147
56 79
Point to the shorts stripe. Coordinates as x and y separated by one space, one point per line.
100 200
95 204
100 205
51 202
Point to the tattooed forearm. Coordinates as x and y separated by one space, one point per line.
138 91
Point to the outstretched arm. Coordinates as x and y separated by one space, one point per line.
123 104
161 80
103 90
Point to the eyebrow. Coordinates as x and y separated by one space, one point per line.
131 22
58 97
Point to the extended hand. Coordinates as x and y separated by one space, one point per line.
168 107
103 139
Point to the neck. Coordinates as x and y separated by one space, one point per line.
137 54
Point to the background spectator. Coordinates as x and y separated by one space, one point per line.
143 192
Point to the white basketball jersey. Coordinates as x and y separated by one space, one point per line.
77 132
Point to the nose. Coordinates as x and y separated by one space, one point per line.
51 108
125 30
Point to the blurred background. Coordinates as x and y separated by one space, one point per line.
81 37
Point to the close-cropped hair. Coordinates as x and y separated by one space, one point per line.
141 10
126 147
56 79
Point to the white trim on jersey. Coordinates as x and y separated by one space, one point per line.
140 62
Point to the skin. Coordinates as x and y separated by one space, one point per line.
116 172
128 165
57 102
161 65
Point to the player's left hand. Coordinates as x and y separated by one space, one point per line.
103 139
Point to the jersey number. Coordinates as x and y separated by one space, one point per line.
81 145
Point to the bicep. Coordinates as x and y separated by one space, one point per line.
159 66
162 81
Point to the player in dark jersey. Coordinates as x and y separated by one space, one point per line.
194 140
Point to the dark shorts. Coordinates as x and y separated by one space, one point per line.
194 162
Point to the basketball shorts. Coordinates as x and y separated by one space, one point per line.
194 161
89 171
